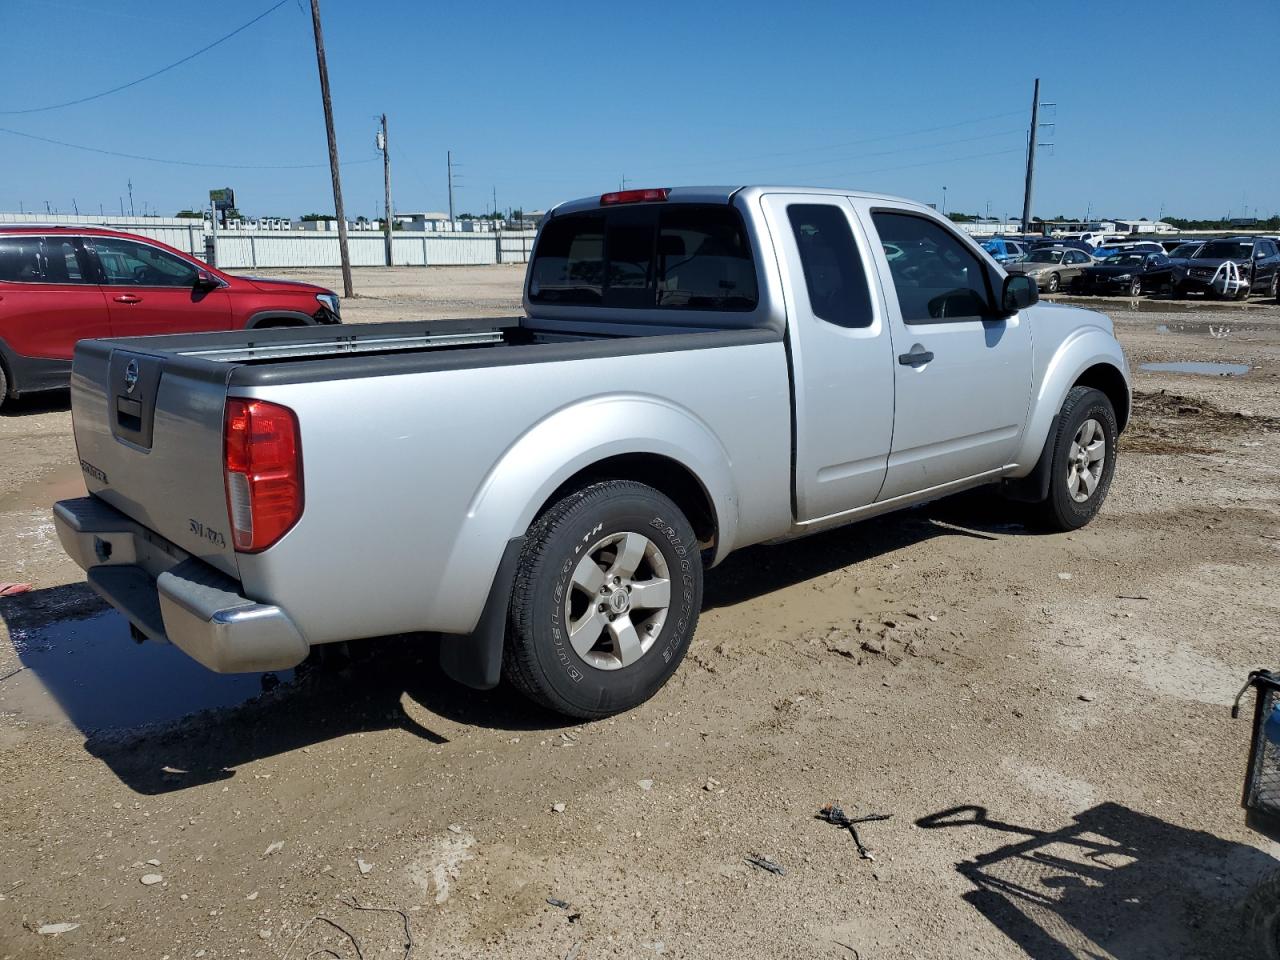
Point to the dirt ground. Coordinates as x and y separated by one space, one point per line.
1045 718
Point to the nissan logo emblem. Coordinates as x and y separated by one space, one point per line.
131 376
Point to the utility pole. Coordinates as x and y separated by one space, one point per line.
385 146
449 161
1031 157
213 226
131 213
495 201
347 290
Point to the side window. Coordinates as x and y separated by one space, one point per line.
127 263
833 270
62 262
20 260
936 277
704 260
1075 256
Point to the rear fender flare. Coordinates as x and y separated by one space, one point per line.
561 445
1084 348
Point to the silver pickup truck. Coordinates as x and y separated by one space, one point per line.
697 370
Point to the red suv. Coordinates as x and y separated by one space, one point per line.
63 284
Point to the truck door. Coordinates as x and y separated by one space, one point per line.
962 378
841 354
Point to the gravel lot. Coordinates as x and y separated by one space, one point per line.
1044 717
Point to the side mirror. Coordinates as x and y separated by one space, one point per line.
1020 292
206 280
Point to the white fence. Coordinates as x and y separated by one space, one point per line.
297 248
268 249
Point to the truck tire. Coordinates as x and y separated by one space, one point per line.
606 599
1083 460
1261 918
4 386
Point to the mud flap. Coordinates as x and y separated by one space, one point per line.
1034 487
475 659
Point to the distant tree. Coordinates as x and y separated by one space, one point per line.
962 217
311 217
360 219
189 213
466 216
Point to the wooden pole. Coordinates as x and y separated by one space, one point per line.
386 184
347 289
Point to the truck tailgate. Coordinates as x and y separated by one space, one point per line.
148 430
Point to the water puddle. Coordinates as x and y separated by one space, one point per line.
63 483
1202 368
92 673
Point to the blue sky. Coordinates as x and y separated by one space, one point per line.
1169 105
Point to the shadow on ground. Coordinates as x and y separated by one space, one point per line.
1113 883
162 722
47 401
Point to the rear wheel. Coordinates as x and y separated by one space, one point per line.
1053 283
4 387
1083 460
1135 287
605 602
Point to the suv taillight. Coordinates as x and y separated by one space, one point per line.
262 457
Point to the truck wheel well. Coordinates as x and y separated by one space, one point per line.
1105 377
273 323
663 474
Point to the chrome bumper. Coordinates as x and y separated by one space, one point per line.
172 596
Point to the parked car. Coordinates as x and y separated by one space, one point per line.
1180 257
1127 246
1257 261
1004 250
1090 237
1064 243
63 284
1052 268
1127 272
698 370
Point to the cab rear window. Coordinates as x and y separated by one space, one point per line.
677 257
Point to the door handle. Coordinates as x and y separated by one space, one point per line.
918 357
128 298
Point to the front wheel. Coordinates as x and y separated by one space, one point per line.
1135 287
1083 460
605 602
1262 918
1053 284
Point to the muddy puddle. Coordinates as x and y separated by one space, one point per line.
40 493
92 673
1203 368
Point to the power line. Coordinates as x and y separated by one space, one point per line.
154 73
180 163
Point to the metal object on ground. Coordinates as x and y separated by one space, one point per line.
1261 799
764 863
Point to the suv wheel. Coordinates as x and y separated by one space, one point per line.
606 600
1083 460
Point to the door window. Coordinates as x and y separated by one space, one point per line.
936 277
833 269
126 263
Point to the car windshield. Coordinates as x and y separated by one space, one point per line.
1185 250
1044 256
1227 250
1125 259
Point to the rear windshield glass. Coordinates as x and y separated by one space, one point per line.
1227 249
681 257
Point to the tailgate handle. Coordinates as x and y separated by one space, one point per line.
129 414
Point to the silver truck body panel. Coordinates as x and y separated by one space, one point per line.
407 516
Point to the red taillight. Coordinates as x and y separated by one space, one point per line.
262 456
634 196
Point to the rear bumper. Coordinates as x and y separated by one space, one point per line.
172 596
